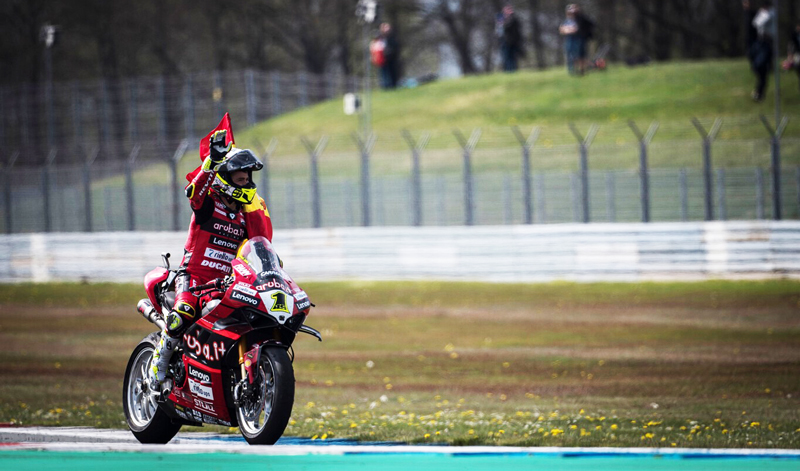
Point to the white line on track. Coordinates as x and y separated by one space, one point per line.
104 440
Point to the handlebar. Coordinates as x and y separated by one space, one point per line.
217 284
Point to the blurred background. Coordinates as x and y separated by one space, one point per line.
100 101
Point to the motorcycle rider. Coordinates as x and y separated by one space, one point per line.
226 211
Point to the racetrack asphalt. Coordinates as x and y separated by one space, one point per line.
67 448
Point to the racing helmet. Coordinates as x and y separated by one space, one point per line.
237 160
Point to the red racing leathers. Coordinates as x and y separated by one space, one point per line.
215 233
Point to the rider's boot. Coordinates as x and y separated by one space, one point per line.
160 363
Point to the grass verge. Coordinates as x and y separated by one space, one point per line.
709 364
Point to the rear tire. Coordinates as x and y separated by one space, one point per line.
146 420
263 416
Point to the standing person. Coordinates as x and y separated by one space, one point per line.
510 39
569 29
793 56
390 70
761 53
225 211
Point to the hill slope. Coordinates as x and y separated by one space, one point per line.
664 92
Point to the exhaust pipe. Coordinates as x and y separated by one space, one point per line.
146 309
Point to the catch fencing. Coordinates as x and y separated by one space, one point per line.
702 170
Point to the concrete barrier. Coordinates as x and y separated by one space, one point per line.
521 253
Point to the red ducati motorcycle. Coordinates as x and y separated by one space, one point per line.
233 367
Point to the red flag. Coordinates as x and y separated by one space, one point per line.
224 124
204 148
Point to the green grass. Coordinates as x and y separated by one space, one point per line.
710 364
665 92
670 93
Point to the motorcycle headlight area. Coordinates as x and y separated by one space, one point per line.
279 304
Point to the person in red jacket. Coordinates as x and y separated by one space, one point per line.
226 211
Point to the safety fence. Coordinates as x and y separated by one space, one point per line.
494 176
74 117
519 253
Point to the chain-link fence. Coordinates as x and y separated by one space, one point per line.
114 115
609 173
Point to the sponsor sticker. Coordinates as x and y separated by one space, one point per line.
244 288
199 375
223 267
243 270
199 390
224 243
244 298
226 228
219 255
273 284
211 352
204 406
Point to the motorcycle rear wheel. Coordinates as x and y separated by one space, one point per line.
146 420
264 414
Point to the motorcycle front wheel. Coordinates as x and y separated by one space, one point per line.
264 411
146 420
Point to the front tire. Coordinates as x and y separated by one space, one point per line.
264 412
146 420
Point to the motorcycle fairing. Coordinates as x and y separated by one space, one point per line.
202 393
151 281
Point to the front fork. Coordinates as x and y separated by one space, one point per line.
248 362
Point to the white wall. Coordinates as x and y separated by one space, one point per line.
579 252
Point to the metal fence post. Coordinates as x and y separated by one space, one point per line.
468 146
584 165
416 179
313 154
708 178
644 173
9 193
527 189
129 186
176 190
87 188
775 140
365 148
51 157
273 143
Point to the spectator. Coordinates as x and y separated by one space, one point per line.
390 70
510 33
761 53
577 30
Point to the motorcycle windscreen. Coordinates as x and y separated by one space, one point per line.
260 255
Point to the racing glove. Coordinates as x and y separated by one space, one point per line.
218 149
